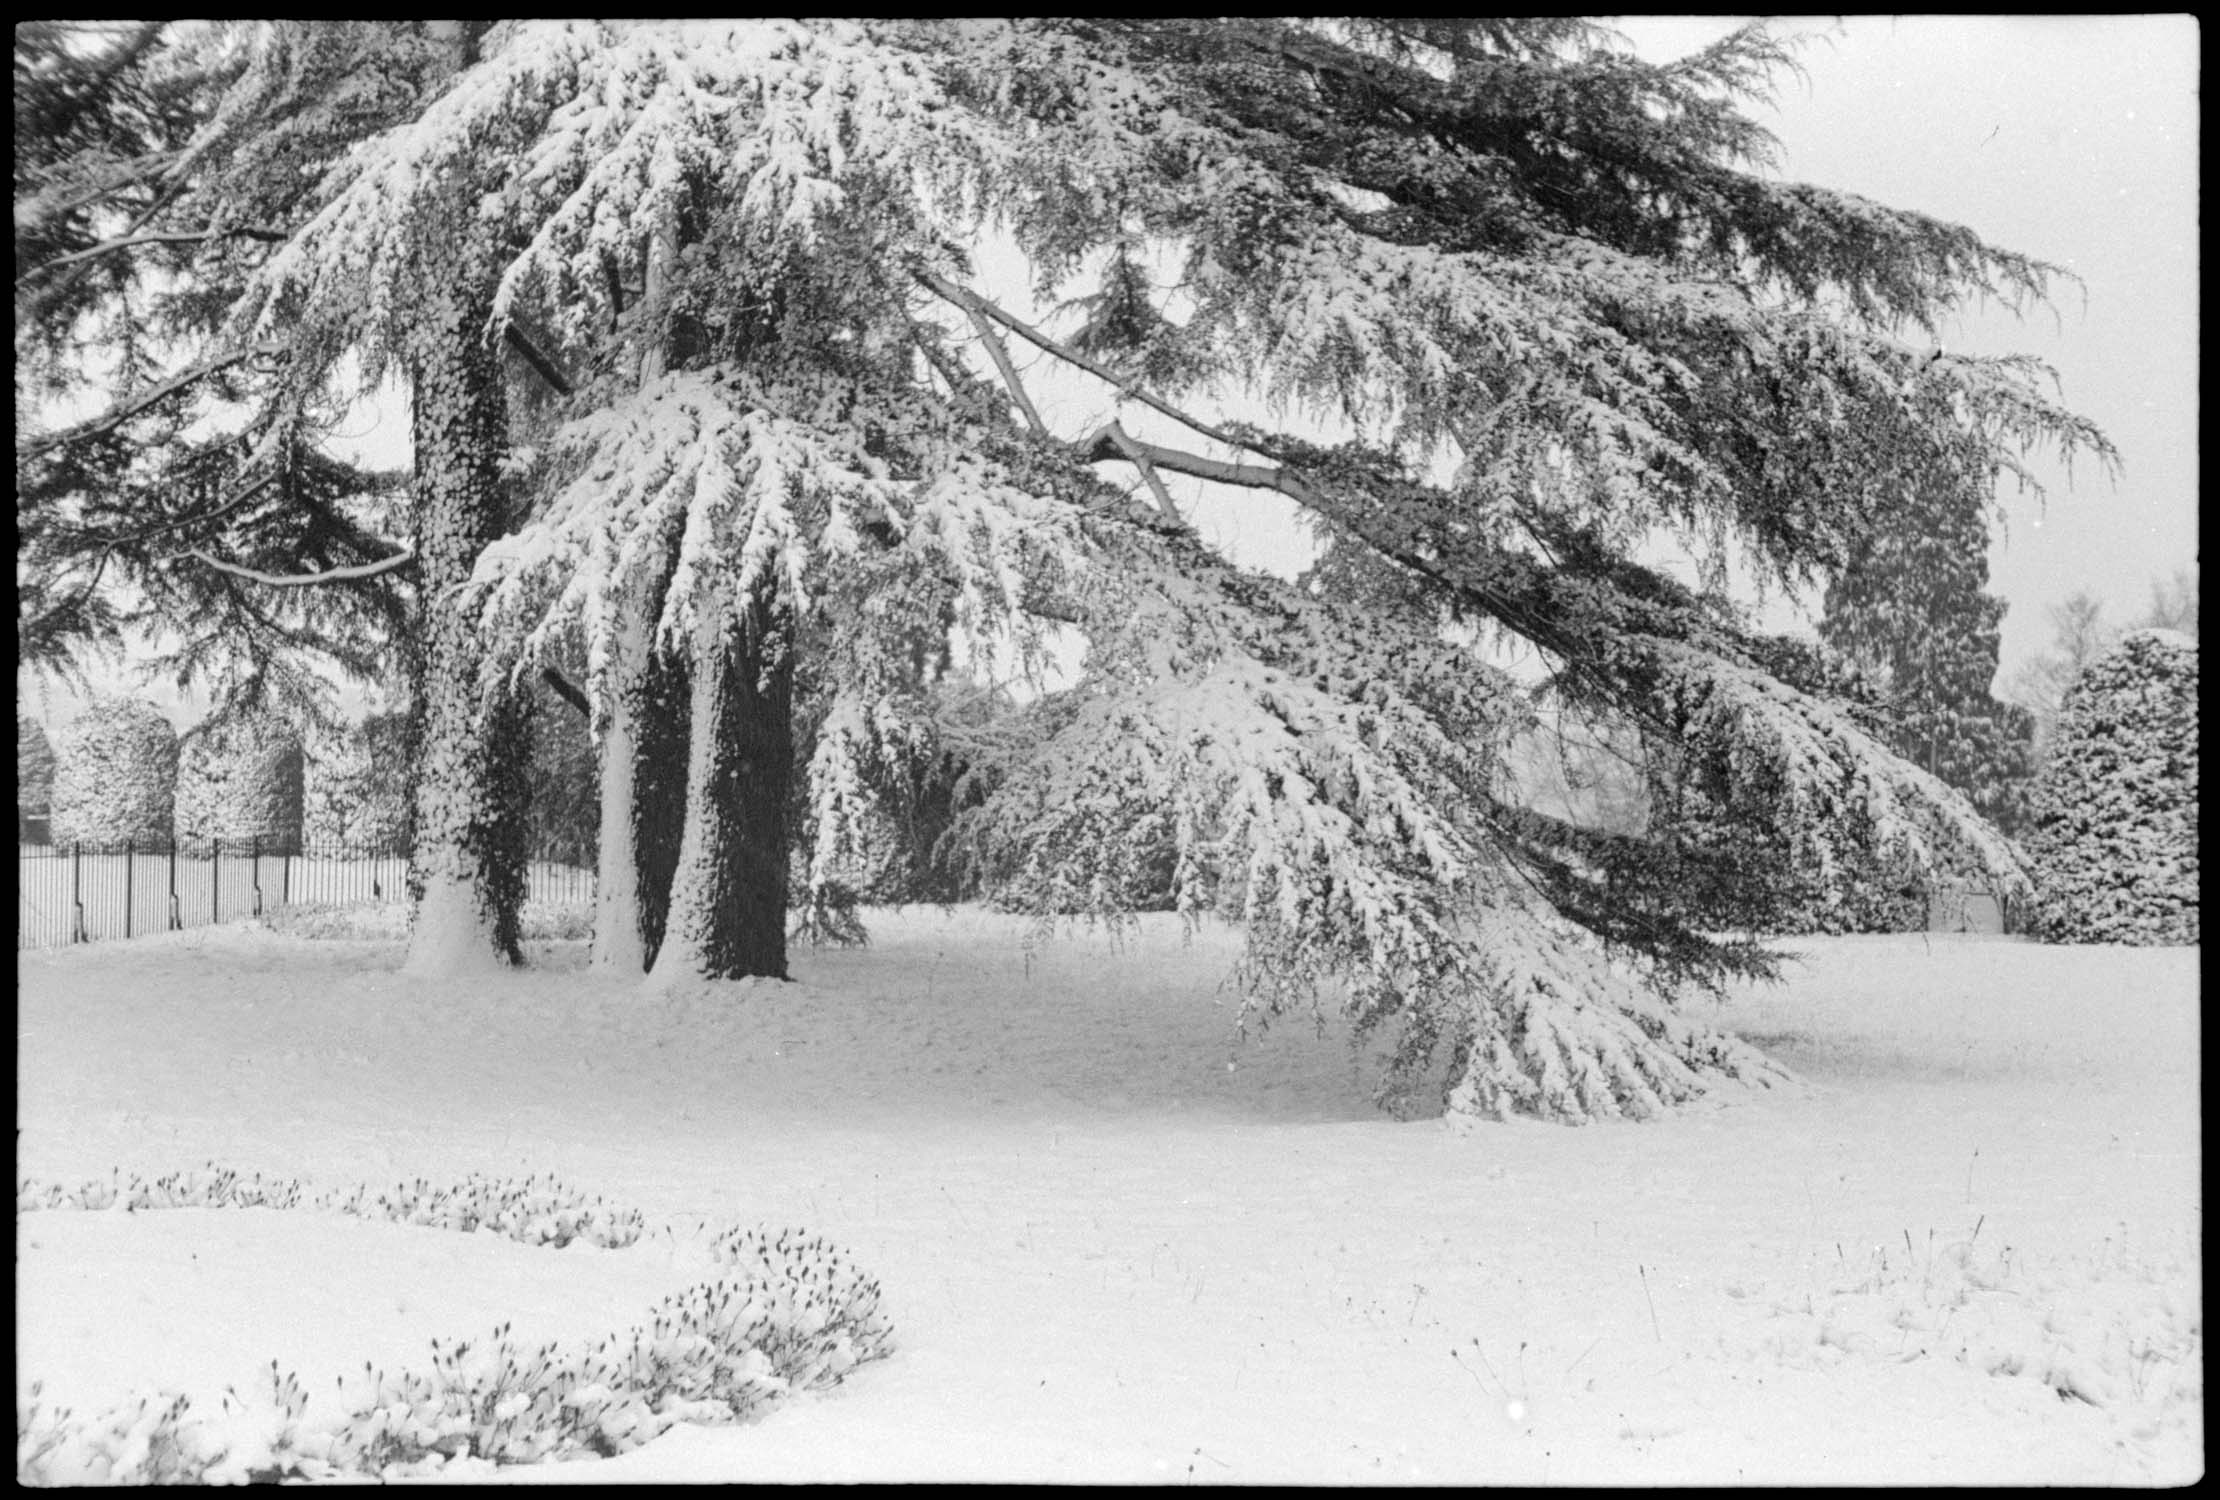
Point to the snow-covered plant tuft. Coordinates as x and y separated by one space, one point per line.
786 1313
2114 837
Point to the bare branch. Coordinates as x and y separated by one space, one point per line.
542 362
356 573
1112 442
1139 458
1000 353
971 302
563 689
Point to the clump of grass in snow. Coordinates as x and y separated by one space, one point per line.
2083 1329
787 1314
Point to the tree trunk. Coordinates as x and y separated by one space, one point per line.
728 899
662 718
619 946
471 788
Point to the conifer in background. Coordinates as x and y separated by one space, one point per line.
239 779
2115 811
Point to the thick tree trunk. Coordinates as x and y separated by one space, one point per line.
728 900
663 719
472 783
618 945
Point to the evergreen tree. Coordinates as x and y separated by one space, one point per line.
239 778
1911 606
2116 809
798 445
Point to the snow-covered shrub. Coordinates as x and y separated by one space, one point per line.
115 776
359 787
784 1313
34 781
240 779
2114 838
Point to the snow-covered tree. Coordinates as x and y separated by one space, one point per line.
2079 635
1911 605
156 164
1523 300
239 778
115 776
2115 816
34 780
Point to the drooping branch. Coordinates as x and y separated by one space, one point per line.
132 241
351 574
168 388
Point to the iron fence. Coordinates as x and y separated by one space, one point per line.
80 893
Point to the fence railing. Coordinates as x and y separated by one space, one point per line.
81 893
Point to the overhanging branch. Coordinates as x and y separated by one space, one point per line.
158 394
352 574
131 241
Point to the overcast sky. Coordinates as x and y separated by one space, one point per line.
2073 139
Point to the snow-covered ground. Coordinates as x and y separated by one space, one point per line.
1119 1245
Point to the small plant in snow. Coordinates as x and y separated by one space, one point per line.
2084 1330
787 1314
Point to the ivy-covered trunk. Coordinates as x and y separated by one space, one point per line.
471 788
728 897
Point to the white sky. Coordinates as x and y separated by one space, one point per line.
2073 139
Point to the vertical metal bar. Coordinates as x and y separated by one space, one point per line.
215 876
177 913
285 879
76 888
130 864
254 854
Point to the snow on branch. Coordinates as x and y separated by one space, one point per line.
351 574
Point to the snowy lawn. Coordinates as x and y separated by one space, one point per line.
1119 1245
